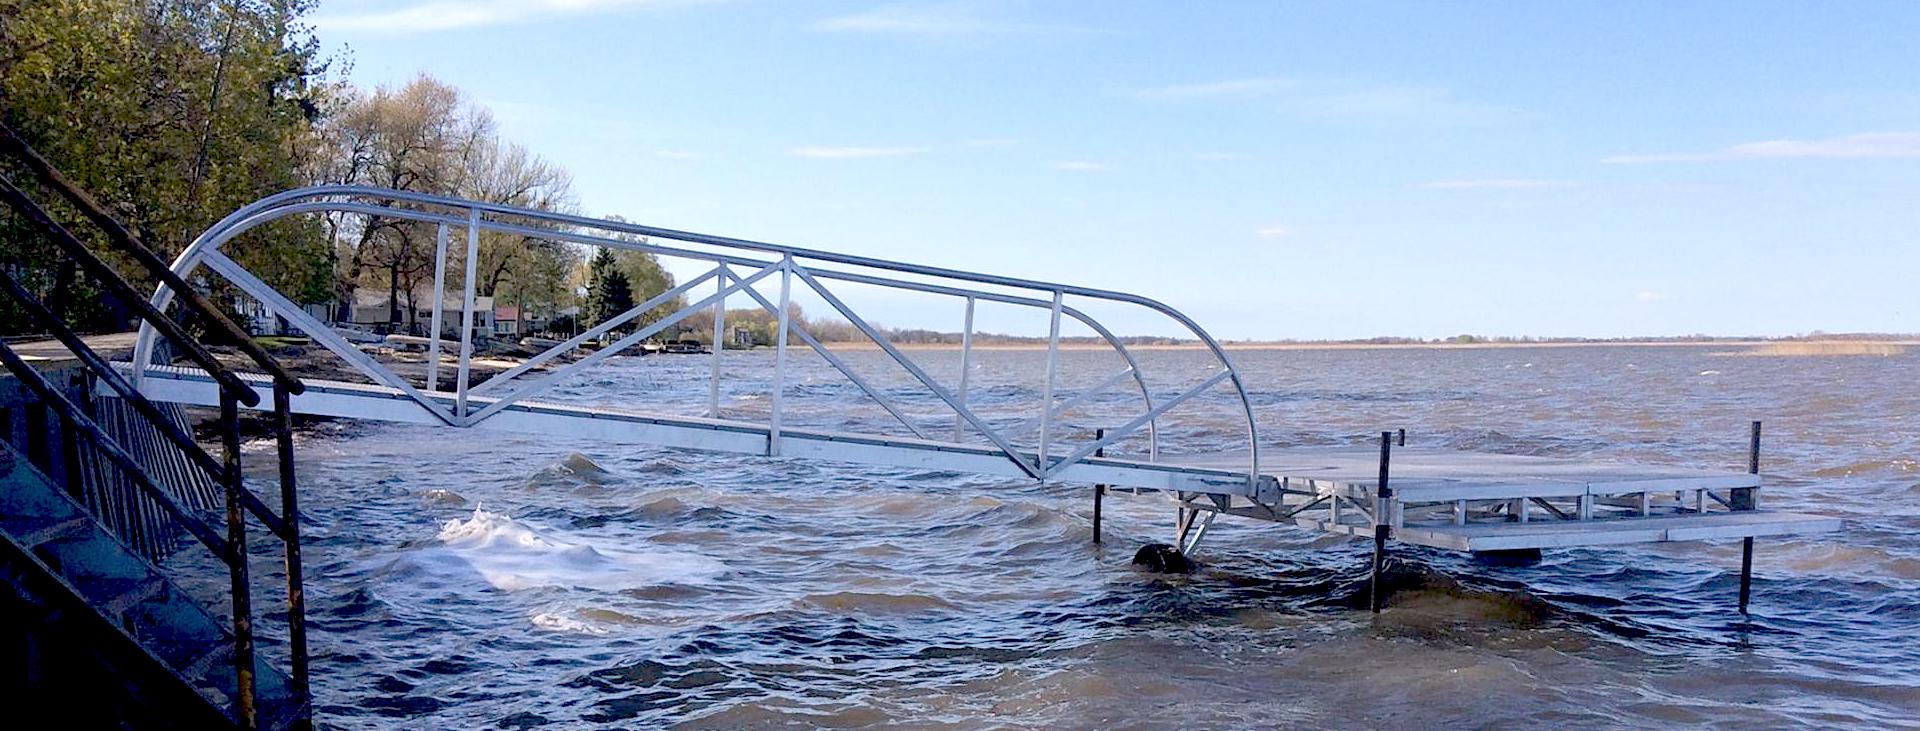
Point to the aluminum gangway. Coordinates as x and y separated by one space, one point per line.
1448 500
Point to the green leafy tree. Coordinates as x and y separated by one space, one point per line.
172 113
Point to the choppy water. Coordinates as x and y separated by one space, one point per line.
468 579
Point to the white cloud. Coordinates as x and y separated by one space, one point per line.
1274 231
1227 88
847 153
944 19
1216 156
1082 166
1865 146
1346 99
435 15
1499 184
1648 297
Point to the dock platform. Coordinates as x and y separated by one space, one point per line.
1469 501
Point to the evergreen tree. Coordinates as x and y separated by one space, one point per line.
609 293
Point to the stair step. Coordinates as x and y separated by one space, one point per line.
96 564
70 528
175 627
214 677
28 501
119 606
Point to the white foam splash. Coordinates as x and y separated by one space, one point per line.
512 556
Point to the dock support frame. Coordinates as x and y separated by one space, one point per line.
1746 499
1382 527
1099 491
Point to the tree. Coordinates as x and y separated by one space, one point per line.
647 277
428 137
609 293
172 113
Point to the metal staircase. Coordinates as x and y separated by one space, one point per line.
83 532
163 629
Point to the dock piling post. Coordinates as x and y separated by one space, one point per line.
1402 438
1099 491
1380 523
1746 544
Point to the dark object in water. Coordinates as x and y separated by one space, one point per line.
1164 559
1516 557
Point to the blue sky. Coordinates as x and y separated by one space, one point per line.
1276 170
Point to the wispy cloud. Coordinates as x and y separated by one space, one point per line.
1865 146
847 153
1227 88
1082 166
939 19
1345 99
435 15
1273 231
1500 184
1647 297
1216 156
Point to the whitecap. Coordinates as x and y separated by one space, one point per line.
512 556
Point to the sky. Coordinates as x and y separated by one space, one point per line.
1275 170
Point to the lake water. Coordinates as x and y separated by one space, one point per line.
469 579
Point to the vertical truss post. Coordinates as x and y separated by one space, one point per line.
1043 460
1746 544
1099 491
966 370
466 314
1381 526
780 356
719 327
439 306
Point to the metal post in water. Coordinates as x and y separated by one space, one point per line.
1746 544
237 558
439 306
780 357
290 515
1380 523
1099 491
966 368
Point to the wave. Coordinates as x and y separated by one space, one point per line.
512 556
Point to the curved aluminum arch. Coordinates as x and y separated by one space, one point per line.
287 203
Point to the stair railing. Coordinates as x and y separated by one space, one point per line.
234 391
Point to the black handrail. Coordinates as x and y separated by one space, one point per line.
140 403
231 550
190 297
104 273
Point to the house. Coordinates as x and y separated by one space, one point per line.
506 320
371 311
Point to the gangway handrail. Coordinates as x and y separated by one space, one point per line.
415 206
